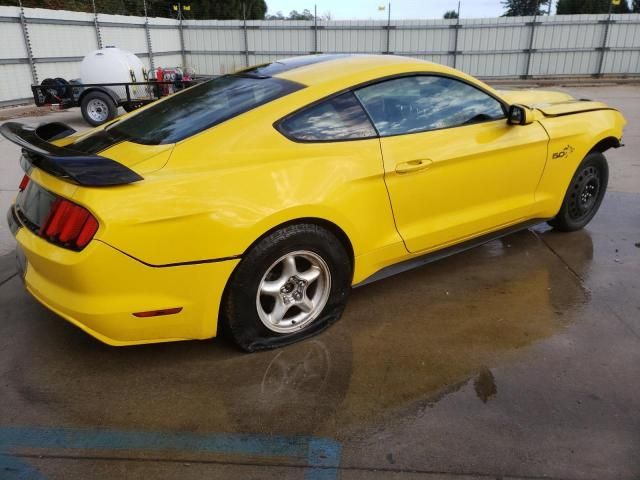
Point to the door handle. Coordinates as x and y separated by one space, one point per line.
413 165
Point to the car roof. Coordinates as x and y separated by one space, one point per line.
313 70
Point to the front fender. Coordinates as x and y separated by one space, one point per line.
572 137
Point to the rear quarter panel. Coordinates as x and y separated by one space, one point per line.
224 188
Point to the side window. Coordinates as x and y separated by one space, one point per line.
339 118
422 103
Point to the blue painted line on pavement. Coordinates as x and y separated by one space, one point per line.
12 468
321 455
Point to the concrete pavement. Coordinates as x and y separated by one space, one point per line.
516 360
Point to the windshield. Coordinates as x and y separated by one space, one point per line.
200 107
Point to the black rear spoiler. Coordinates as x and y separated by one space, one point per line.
81 168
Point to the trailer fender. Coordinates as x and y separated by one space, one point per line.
108 91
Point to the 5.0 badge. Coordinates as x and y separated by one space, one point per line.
565 152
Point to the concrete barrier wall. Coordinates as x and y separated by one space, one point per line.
38 43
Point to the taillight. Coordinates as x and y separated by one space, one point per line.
23 183
69 225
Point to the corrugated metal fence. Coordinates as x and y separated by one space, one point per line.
38 43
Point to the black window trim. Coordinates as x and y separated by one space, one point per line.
294 87
277 124
420 73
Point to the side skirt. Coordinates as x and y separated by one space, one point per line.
422 260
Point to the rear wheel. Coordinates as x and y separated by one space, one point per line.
98 108
584 195
292 284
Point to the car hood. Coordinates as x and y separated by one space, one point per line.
551 103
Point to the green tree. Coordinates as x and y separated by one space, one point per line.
304 15
635 7
295 15
226 9
570 7
450 14
277 16
199 9
523 8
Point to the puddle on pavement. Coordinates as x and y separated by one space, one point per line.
485 385
404 341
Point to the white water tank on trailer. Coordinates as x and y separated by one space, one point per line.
113 65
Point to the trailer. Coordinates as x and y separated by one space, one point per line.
99 102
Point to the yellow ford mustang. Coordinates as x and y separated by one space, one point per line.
256 200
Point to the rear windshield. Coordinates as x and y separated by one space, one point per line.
200 107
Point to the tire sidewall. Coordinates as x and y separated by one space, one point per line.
239 303
563 221
113 108
130 107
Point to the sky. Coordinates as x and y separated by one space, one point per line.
400 9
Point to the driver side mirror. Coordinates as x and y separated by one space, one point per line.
519 115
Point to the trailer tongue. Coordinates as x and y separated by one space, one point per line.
64 162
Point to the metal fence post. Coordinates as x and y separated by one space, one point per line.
246 36
315 29
457 27
531 50
27 44
389 30
96 24
148 33
605 40
183 53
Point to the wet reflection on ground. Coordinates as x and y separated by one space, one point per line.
479 330
404 339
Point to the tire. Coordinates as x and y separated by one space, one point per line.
98 108
130 107
57 90
306 273
64 85
584 195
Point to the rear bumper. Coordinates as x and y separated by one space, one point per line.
99 289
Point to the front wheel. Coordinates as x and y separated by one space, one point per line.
292 284
584 195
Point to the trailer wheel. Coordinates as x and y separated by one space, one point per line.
98 108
